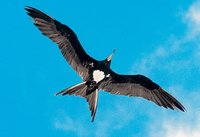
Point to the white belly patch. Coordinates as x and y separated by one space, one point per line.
98 75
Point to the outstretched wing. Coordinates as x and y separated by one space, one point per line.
140 86
65 38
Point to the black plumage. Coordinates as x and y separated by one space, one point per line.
97 75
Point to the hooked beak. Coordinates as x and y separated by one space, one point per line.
111 55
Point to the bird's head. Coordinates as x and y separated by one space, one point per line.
109 58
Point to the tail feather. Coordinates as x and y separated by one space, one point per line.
92 100
81 90
78 90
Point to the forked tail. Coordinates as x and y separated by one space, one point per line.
81 90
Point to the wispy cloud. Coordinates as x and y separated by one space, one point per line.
114 119
178 128
192 18
177 52
184 125
109 121
68 124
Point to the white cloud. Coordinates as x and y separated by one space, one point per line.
185 124
173 128
177 53
178 128
70 125
192 18
114 119
109 121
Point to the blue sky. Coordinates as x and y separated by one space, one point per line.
160 40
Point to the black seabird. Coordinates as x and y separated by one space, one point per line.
97 75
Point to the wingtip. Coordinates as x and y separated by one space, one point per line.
183 109
56 94
179 108
28 8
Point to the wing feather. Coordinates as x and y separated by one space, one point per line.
66 39
140 86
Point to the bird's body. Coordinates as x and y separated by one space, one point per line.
95 74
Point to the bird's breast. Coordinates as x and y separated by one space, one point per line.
98 75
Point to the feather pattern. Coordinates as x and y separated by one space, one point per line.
66 40
140 86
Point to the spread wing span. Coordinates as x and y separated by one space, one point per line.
140 86
65 38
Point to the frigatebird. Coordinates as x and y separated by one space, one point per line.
97 75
